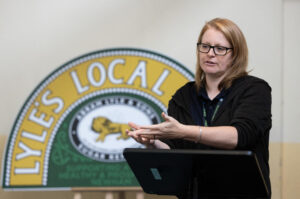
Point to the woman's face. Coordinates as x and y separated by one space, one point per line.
212 64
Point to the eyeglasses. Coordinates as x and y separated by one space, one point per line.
218 50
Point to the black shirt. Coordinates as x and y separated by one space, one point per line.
204 109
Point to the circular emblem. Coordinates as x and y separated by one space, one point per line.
76 118
98 129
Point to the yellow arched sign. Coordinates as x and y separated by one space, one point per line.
71 130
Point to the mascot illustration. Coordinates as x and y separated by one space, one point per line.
104 127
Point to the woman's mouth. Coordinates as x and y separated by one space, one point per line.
210 63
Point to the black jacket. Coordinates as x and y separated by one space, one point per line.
247 107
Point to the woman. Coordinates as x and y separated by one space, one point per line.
224 108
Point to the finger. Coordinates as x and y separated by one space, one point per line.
147 136
165 116
153 136
148 141
145 140
130 133
133 125
139 137
154 126
133 134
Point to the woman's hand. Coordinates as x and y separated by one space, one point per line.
169 129
135 134
147 135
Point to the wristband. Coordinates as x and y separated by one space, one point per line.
199 136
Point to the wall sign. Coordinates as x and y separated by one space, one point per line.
71 130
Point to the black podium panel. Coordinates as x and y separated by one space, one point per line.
155 171
216 173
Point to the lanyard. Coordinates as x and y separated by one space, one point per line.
214 113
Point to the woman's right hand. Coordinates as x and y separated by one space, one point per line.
143 139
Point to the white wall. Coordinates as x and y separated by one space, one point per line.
291 71
291 98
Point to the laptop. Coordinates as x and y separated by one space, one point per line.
206 173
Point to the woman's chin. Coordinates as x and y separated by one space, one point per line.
215 74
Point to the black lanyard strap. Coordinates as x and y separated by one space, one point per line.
214 113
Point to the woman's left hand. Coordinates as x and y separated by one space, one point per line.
169 129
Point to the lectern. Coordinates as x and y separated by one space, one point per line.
198 173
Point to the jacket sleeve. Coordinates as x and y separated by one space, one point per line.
252 114
178 108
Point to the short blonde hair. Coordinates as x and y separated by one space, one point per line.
237 41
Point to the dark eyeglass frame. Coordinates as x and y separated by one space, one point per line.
213 47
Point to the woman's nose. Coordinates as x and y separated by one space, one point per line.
211 52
